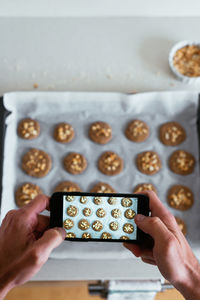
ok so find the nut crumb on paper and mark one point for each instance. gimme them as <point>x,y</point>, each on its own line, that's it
<point>35,85</point>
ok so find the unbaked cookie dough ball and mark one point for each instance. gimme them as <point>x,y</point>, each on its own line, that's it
<point>182,162</point>
<point>102,187</point>
<point>180,197</point>
<point>137,131</point>
<point>128,228</point>
<point>68,224</point>
<point>97,226</point>
<point>106,236</point>
<point>110,163</point>
<point>36,163</point>
<point>28,129</point>
<point>63,133</point>
<point>100,132</point>
<point>26,192</point>
<point>72,211</point>
<point>83,224</point>
<point>148,162</point>
<point>172,134</point>
<point>67,186</point>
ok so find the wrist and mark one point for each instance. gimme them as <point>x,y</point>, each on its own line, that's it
<point>4,291</point>
<point>6,285</point>
<point>189,287</point>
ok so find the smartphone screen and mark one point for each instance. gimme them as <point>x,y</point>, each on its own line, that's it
<point>98,217</point>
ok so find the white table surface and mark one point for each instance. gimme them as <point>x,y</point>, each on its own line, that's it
<point>97,54</point>
<point>92,54</point>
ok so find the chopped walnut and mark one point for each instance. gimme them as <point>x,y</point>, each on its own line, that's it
<point>128,228</point>
<point>86,235</point>
<point>187,60</point>
<point>116,213</point>
<point>181,197</point>
<point>100,213</point>
<point>70,235</point>
<point>114,226</point>
<point>97,226</point>
<point>106,236</point>
<point>129,213</point>
<point>150,162</point>
<point>144,187</point>
<point>65,131</point>
<point>101,131</point>
<point>111,162</point>
<point>28,129</point>
<point>173,133</point>
<point>83,224</point>
<point>139,128</point>
<point>183,161</point>
<point>68,224</point>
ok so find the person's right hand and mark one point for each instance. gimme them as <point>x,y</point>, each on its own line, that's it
<point>26,243</point>
<point>171,251</point>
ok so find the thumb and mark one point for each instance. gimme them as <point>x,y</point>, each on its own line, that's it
<point>152,226</point>
<point>51,239</point>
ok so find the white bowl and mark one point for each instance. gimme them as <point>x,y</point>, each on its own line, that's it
<point>172,52</point>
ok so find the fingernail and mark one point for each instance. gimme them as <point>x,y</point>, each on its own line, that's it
<point>61,231</point>
<point>139,218</point>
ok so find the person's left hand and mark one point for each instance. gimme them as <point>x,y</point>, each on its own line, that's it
<point>26,243</point>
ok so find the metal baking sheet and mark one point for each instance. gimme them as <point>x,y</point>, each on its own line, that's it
<point>3,114</point>
<point>81,109</point>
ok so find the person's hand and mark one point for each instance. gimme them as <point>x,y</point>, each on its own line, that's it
<point>170,252</point>
<point>26,243</point>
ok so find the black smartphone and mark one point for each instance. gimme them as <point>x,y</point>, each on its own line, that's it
<point>97,216</point>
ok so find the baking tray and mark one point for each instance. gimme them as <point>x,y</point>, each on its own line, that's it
<point>4,113</point>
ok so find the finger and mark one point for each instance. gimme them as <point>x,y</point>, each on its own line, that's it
<point>51,239</point>
<point>147,255</point>
<point>39,204</point>
<point>8,218</point>
<point>43,223</point>
<point>135,249</point>
<point>148,261</point>
<point>158,209</point>
<point>139,251</point>
<point>154,227</point>
<point>38,254</point>
<point>48,206</point>
<point>156,206</point>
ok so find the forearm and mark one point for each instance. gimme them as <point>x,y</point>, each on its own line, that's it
<point>190,287</point>
<point>4,289</point>
<point>6,284</point>
<point>3,292</point>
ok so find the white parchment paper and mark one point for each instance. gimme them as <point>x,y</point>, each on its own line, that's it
<point>80,110</point>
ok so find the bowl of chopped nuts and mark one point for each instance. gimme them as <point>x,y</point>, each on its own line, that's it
<point>184,61</point>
